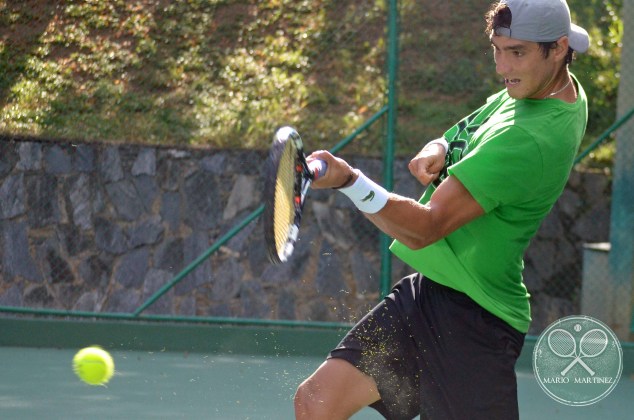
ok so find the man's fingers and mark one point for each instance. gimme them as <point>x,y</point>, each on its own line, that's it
<point>423,171</point>
<point>427,178</point>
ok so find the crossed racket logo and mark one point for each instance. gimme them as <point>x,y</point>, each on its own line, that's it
<point>563,344</point>
<point>577,360</point>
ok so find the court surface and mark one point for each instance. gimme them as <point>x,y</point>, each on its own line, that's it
<point>39,384</point>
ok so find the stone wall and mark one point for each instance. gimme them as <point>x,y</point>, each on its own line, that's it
<point>101,227</point>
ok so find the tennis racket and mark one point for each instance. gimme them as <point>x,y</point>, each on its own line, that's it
<point>592,344</point>
<point>564,345</point>
<point>287,177</point>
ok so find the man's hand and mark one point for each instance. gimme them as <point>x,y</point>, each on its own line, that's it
<point>428,163</point>
<point>339,173</point>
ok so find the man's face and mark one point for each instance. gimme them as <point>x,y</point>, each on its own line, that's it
<point>527,74</point>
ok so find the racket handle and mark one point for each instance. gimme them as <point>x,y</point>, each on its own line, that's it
<point>318,167</point>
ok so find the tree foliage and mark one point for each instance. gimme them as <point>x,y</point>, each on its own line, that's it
<point>226,73</point>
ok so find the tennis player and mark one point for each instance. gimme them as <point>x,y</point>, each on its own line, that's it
<point>443,344</point>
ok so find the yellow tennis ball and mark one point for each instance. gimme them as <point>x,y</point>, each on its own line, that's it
<point>93,365</point>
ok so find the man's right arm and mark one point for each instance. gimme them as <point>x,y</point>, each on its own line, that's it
<point>404,219</point>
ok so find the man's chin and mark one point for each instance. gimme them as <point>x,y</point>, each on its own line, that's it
<point>515,95</point>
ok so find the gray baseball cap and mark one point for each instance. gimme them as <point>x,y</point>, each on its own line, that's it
<point>544,21</point>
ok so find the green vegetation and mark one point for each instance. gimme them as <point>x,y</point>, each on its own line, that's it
<point>226,73</point>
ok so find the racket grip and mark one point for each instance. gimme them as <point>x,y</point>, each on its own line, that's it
<point>318,167</point>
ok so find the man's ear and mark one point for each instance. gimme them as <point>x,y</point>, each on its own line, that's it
<point>561,50</point>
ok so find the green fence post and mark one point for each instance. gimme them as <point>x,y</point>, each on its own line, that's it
<point>621,256</point>
<point>388,156</point>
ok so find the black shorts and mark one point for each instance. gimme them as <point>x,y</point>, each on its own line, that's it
<point>433,351</point>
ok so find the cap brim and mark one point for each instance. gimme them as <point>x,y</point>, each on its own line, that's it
<point>578,38</point>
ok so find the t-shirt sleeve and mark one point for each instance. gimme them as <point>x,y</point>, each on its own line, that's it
<point>506,167</point>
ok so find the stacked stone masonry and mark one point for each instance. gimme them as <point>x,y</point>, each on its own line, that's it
<point>102,227</point>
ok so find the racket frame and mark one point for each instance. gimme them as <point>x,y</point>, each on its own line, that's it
<point>303,177</point>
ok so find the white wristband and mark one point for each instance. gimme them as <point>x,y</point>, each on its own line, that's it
<point>368,196</point>
<point>440,141</point>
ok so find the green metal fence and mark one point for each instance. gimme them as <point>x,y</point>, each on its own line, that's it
<point>384,76</point>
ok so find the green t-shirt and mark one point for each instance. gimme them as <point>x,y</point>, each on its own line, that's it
<point>514,157</point>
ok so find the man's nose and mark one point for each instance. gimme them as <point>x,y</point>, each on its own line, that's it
<point>502,66</point>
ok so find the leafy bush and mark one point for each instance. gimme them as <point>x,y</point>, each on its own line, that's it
<point>226,73</point>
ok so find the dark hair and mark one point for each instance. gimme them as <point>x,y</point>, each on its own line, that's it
<point>499,16</point>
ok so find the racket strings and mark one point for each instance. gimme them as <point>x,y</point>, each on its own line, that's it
<point>562,343</point>
<point>284,207</point>
<point>593,343</point>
